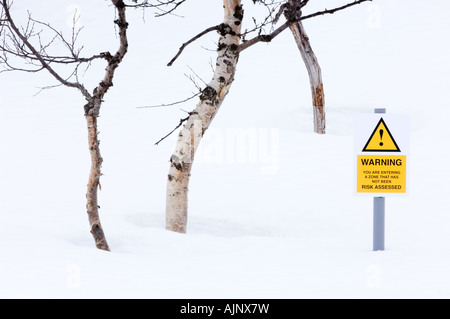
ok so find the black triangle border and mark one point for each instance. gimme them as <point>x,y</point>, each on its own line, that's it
<point>373,133</point>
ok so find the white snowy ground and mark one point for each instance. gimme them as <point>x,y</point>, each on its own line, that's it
<point>276,219</point>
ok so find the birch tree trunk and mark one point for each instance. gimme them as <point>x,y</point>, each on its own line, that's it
<point>93,184</point>
<point>200,119</point>
<point>315,75</point>
<point>92,112</point>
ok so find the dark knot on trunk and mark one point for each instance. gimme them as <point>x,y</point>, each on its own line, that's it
<point>293,12</point>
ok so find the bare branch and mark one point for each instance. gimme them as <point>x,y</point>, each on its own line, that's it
<point>272,6</point>
<point>264,38</point>
<point>293,14</point>
<point>198,36</point>
<point>171,132</point>
<point>75,53</point>
<point>171,104</point>
<point>177,4</point>
<point>191,78</point>
<point>24,44</point>
<point>93,107</point>
<point>279,13</point>
<point>333,10</point>
<point>160,5</point>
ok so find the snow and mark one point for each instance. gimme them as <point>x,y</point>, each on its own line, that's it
<point>277,218</point>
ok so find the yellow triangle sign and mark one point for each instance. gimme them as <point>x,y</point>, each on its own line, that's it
<point>381,140</point>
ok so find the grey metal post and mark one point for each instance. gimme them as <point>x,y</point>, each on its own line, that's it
<point>379,215</point>
<point>378,223</point>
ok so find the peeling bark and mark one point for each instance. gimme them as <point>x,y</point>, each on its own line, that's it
<point>93,185</point>
<point>315,75</point>
<point>201,118</point>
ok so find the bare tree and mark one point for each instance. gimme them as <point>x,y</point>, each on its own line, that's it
<point>292,10</point>
<point>311,63</point>
<point>199,120</point>
<point>27,44</point>
<point>232,42</point>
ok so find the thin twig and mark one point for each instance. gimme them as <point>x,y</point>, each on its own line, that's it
<point>178,126</point>
<point>145,4</point>
<point>170,104</point>
<point>198,36</point>
<point>331,11</point>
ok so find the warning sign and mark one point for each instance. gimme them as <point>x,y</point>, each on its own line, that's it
<point>381,147</point>
<point>381,140</point>
<point>381,174</point>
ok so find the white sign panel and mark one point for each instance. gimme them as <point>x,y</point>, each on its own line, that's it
<point>381,154</point>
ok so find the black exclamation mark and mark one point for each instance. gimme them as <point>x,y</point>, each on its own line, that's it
<point>381,137</point>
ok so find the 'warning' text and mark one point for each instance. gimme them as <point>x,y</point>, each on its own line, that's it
<point>381,162</point>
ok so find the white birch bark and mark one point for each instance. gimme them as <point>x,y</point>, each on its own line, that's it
<point>315,75</point>
<point>200,119</point>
